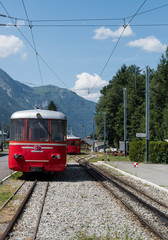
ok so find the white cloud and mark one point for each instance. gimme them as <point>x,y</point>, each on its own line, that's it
<point>103,33</point>
<point>149,44</point>
<point>24,56</point>
<point>9,45</point>
<point>85,82</point>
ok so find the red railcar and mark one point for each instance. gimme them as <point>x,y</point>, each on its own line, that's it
<point>37,141</point>
<point>73,144</point>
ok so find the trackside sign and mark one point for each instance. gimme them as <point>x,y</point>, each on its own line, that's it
<point>140,134</point>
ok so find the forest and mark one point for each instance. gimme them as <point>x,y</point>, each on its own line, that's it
<point>112,103</point>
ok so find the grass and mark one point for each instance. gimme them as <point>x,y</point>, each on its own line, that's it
<point>100,156</point>
<point>16,176</point>
<point>83,236</point>
<point>108,157</point>
<point>6,190</point>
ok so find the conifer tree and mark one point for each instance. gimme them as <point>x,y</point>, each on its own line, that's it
<point>52,106</point>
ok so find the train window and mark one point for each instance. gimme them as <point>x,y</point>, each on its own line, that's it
<point>17,130</point>
<point>77,143</point>
<point>38,130</point>
<point>58,130</point>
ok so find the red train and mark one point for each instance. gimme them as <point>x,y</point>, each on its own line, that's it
<point>37,141</point>
<point>73,144</point>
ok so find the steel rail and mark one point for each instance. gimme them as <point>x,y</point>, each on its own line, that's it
<point>6,178</point>
<point>40,213</point>
<point>17,214</point>
<point>133,196</point>
<point>92,172</point>
<point>12,196</point>
<point>134,188</point>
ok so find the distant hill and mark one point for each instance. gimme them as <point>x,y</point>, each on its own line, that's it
<point>16,96</point>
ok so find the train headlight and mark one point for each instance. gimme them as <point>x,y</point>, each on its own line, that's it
<point>56,156</point>
<point>18,156</point>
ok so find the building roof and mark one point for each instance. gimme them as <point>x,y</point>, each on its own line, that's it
<point>88,141</point>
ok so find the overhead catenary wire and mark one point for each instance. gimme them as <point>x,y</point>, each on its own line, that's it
<point>36,53</point>
<point>60,25</point>
<point>34,48</point>
<point>85,19</point>
<point>111,54</point>
<point>88,25</point>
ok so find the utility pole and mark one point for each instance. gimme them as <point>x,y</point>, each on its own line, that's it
<point>104,130</point>
<point>93,136</point>
<point>2,134</point>
<point>147,114</point>
<point>125,123</point>
<point>85,134</point>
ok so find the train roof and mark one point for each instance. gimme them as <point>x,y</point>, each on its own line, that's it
<point>45,114</point>
<point>72,137</point>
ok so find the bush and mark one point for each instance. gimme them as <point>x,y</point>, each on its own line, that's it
<point>158,151</point>
<point>6,144</point>
<point>137,151</point>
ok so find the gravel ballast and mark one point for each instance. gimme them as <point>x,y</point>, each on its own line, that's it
<point>77,204</point>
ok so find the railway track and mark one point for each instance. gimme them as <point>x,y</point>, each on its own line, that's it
<point>11,197</point>
<point>72,201</point>
<point>153,213</point>
<point>10,230</point>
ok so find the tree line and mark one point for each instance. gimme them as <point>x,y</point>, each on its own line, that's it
<point>112,102</point>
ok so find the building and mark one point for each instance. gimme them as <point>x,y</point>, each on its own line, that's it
<point>4,136</point>
<point>100,145</point>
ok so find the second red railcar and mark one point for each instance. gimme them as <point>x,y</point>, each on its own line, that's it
<point>73,144</point>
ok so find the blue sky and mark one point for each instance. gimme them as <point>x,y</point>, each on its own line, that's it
<point>75,57</point>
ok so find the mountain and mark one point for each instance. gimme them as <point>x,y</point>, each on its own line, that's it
<point>16,96</point>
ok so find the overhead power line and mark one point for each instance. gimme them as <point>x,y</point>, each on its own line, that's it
<point>38,64</point>
<point>111,54</point>
<point>90,25</point>
<point>116,46</point>
<point>30,24</point>
<point>34,48</point>
<point>85,19</point>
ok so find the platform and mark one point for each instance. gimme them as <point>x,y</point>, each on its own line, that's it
<point>154,173</point>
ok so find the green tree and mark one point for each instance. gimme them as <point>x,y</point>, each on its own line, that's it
<point>52,106</point>
<point>159,100</point>
<point>111,102</point>
<point>134,81</point>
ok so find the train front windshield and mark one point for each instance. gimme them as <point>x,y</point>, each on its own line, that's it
<point>17,130</point>
<point>38,130</point>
